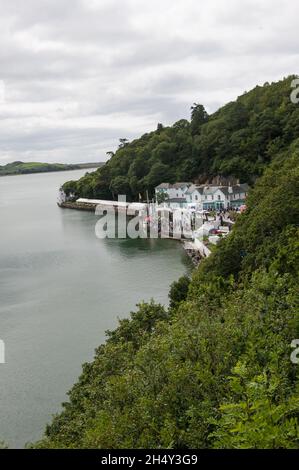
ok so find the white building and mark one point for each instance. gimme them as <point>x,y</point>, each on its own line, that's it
<point>202,197</point>
<point>174,194</point>
<point>210,197</point>
<point>194,194</point>
<point>238,194</point>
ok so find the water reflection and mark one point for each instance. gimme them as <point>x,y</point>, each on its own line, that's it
<point>61,288</point>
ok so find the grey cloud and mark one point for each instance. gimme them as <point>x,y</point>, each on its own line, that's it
<point>80,74</point>
<point>169,51</point>
<point>72,21</point>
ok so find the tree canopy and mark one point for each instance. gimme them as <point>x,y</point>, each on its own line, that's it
<point>213,370</point>
<point>239,141</point>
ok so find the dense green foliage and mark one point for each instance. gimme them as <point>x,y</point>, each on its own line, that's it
<point>21,168</point>
<point>179,291</point>
<point>239,141</point>
<point>214,370</point>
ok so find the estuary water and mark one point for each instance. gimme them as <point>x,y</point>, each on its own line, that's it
<point>61,288</point>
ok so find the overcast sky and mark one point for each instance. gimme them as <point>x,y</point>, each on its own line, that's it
<point>76,75</point>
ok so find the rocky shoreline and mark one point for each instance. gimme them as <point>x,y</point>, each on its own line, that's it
<point>77,206</point>
<point>194,256</point>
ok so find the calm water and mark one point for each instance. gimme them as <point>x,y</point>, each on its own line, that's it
<point>60,289</point>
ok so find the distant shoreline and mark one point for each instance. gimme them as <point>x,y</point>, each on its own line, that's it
<point>22,168</point>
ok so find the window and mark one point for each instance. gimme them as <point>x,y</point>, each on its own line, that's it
<point>219,197</point>
<point>196,197</point>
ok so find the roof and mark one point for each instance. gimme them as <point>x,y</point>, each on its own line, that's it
<point>163,186</point>
<point>119,204</point>
<point>240,188</point>
<point>179,185</point>
<point>206,189</point>
<point>245,187</point>
<point>224,190</point>
<point>236,189</point>
<point>193,188</point>
<point>176,199</point>
<point>103,202</point>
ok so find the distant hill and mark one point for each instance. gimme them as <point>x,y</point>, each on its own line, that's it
<point>21,168</point>
<point>237,141</point>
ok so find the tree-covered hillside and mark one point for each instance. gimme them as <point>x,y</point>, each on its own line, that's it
<point>239,140</point>
<point>23,168</point>
<point>214,370</point>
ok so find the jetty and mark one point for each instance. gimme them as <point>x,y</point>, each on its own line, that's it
<point>92,204</point>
